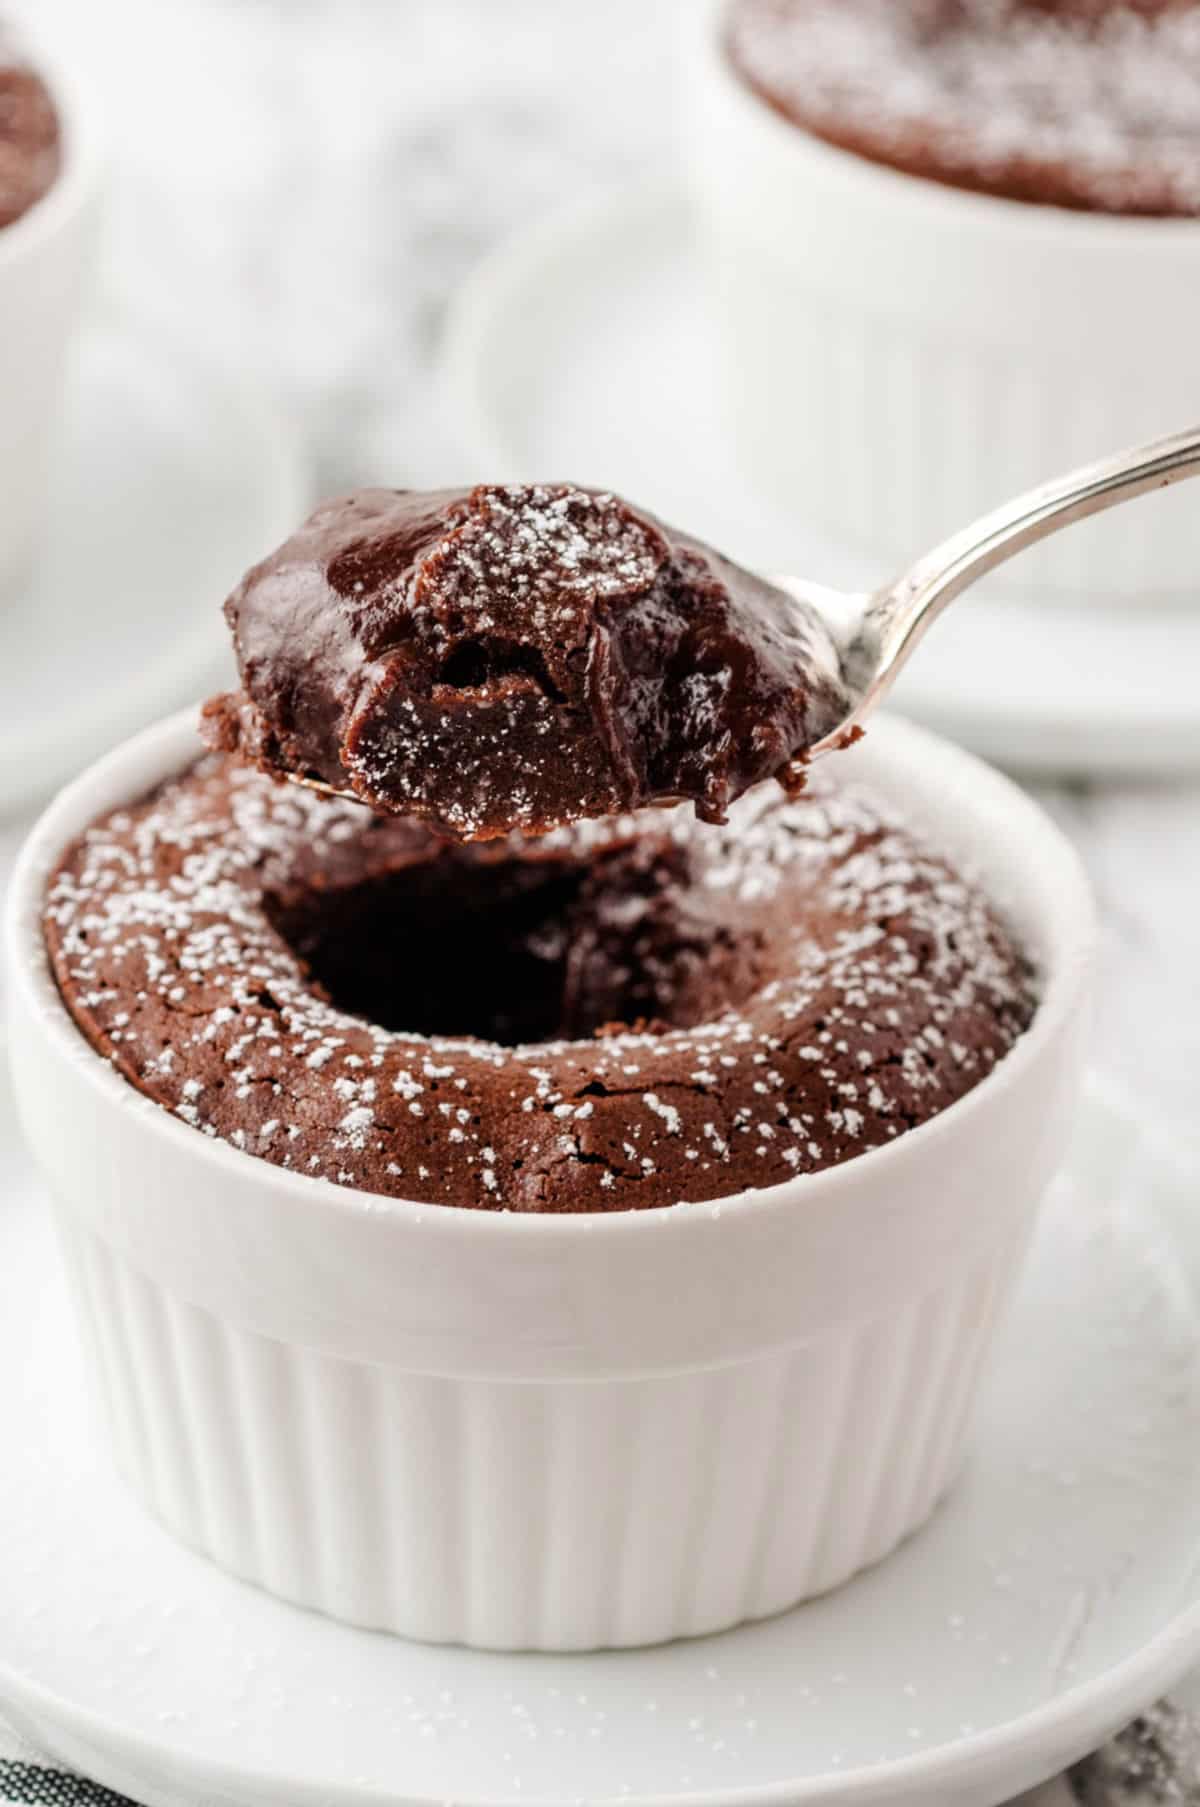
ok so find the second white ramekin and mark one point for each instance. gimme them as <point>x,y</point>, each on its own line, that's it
<point>552,1433</point>
<point>899,356</point>
<point>44,259</point>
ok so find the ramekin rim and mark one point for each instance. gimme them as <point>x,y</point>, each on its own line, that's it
<point>29,971</point>
<point>1088,229</point>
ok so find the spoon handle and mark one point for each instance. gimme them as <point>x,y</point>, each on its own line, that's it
<point>897,616</point>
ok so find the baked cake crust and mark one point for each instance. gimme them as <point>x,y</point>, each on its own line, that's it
<point>623,1014</point>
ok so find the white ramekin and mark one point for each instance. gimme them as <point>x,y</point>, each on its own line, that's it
<point>898,356</point>
<point>44,260</point>
<point>552,1432</point>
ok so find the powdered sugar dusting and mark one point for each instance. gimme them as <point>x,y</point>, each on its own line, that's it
<point>547,549</point>
<point>1090,106</point>
<point>861,985</point>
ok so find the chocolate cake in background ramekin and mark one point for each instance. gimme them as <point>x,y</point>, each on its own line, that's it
<point>49,193</point>
<point>1092,105</point>
<point>958,240</point>
<point>30,133</point>
<point>546,1428</point>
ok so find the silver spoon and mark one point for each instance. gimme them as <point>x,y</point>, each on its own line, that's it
<point>872,635</point>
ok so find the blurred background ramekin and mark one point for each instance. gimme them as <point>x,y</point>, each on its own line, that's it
<point>899,356</point>
<point>45,256</point>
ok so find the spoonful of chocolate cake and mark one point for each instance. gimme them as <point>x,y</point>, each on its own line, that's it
<point>516,657</point>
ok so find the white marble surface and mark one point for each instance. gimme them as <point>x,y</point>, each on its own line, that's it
<point>308,179</point>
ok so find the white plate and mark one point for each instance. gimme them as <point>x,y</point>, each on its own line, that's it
<point>1055,1595</point>
<point>584,350</point>
<point>172,476</point>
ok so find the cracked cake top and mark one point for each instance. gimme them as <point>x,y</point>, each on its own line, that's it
<point>619,1014</point>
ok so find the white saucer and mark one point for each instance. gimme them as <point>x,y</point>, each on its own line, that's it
<point>1056,1594</point>
<point>172,476</point>
<point>584,349</point>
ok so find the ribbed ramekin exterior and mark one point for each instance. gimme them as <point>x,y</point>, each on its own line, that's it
<point>899,357</point>
<point>552,1515</point>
